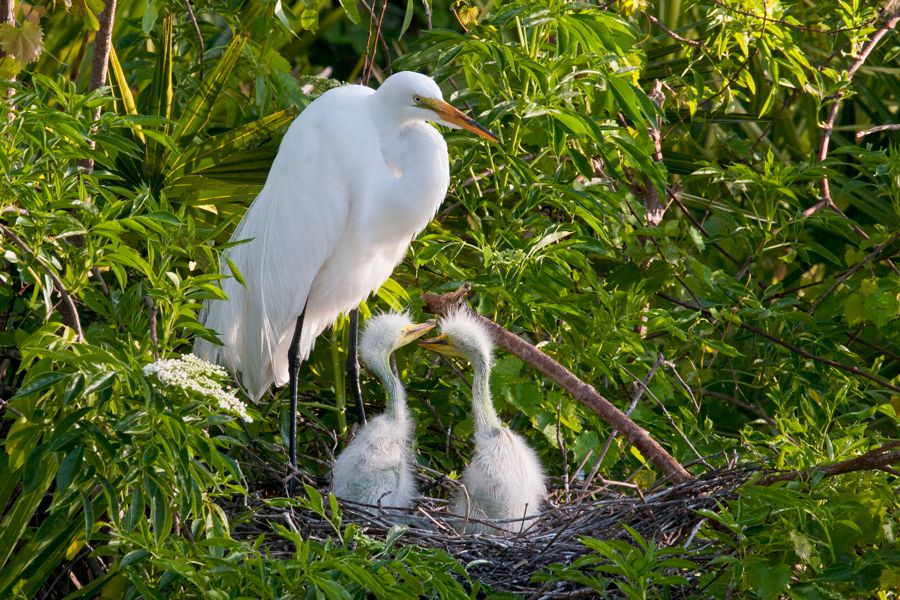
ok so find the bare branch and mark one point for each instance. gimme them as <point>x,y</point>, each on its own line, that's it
<point>373,39</point>
<point>427,13</point>
<point>890,127</point>
<point>102,45</point>
<point>672,34</point>
<point>7,11</point>
<point>581,391</point>
<point>878,459</point>
<point>148,301</point>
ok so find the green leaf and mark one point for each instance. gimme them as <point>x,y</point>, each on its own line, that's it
<point>68,467</point>
<point>352,11</point>
<point>23,41</point>
<point>132,557</point>
<point>148,21</point>
<point>768,581</point>
<point>407,18</point>
<point>40,383</point>
<point>88,506</point>
<point>235,272</point>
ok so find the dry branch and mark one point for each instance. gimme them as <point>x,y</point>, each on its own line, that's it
<point>582,392</point>
<point>889,127</point>
<point>878,459</point>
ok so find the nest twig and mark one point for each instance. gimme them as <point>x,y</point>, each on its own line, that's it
<point>502,560</point>
<point>667,513</point>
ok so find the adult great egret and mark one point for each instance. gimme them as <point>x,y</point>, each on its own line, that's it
<point>377,466</point>
<point>505,479</point>
<point>358,174</point>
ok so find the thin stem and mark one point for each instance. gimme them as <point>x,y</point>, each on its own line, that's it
<point>889,127</point>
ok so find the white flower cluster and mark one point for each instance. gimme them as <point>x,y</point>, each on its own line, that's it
<point>194,375</point>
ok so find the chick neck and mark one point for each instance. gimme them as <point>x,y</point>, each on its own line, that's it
<point>486,419</point>
<point>396,394</point>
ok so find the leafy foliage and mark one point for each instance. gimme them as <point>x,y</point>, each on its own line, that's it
<point>655,207</point>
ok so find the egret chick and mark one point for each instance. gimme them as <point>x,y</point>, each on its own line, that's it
<point>377,466</point>
<point>505,479</point>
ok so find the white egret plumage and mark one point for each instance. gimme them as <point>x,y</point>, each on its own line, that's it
<point>358,174</point>
<point>377,466</point>
<point>504,481</point>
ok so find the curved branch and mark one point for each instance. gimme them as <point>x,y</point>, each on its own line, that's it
<point>580,390</point>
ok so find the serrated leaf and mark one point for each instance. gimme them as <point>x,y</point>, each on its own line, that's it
<point>24,42</point>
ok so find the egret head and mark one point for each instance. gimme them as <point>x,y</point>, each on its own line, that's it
<point>387,332</point>
<point>464,336</point>
<point>414,96</point>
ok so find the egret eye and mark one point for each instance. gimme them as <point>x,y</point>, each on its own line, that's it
<point>417,99</point>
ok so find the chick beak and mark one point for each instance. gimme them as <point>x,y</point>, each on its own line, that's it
<point>440,344</point>
<point>457,118</point>
<point>415,331</point>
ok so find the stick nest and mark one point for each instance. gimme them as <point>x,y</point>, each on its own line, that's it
<point>506,561</point>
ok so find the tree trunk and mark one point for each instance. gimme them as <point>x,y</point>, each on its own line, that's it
<point>8,15</point>
<point>100,62</point>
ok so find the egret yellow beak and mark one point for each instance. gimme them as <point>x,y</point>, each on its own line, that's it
<point>411,333</point>
<point>457,118</point>
<point>440,344</point>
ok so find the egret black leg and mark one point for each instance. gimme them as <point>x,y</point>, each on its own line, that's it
<point>353,367</point>
<point>294,372</point>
